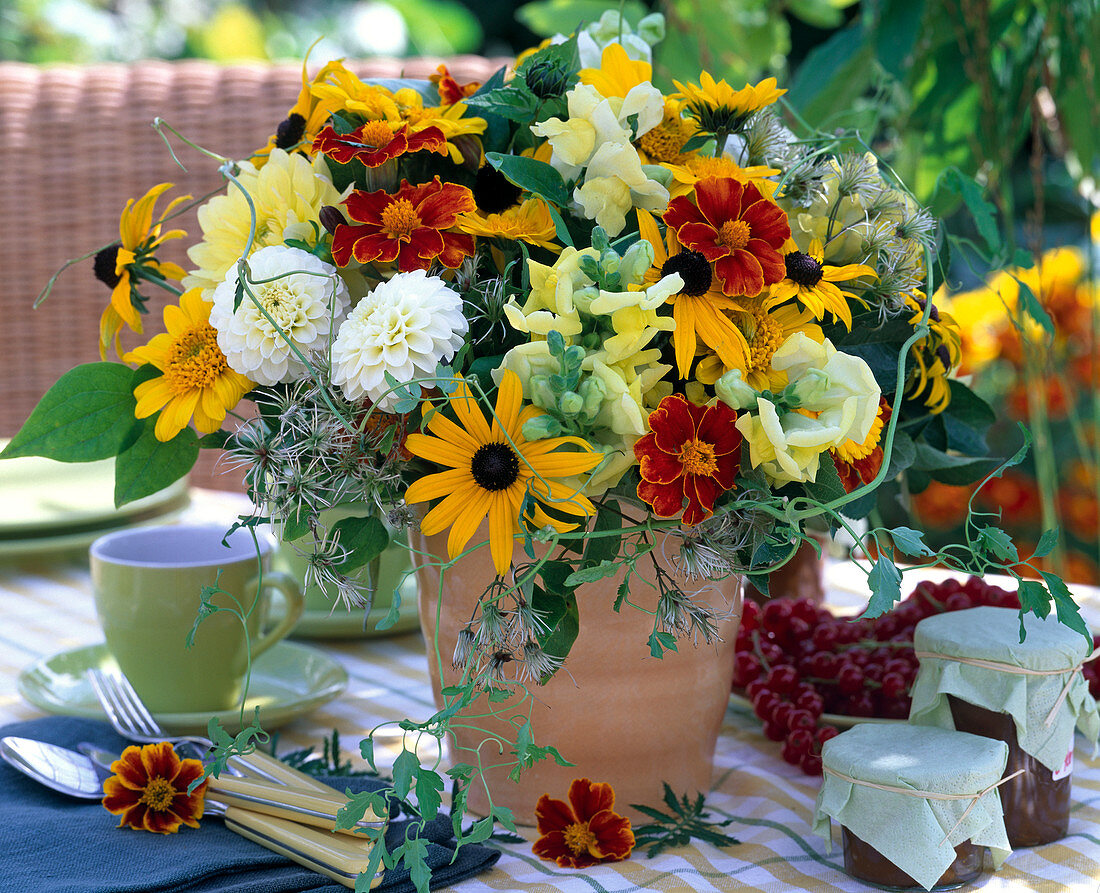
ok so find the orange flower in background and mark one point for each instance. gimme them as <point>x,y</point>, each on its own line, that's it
<point>1015,495</point>
<point>691,452</point>
<point>584,831</point>
<point>149,789</point>
<point>450,90</point>
<point>941,505</point>
<point>409,227</point>
<point>1054,394</point>
<point>738,230</point>
<point>1079,512</point>
<point>377,142</point>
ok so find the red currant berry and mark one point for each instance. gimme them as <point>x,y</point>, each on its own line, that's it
<point>801,719</point>
<point>773,731</point>
<point>824,733</point>
<point>754,688</point>
<point>797,745</point>
<point>850,679</point>
<point>811,702</point>
<point>811,764</point>
<point>893,685</point>
<point>746,668</point>
<point>958,601</point>
<point>782,679</point>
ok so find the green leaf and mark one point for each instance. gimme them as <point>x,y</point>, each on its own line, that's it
<point>549,17</point>
<point>366,750</point>
<point>1031,306</point>
<point>660,642</point>
<point>832,77</point>
<point>513,102</point>
<point>364,539</point>
<point>150,465</point>
<point>910,542</point>
<point>1034,598</point>
<point>592,574</point>
<point>415,857</point>
<point>1047,542</point>
<point>827,486</point>
<point>1069,614</point>
<point>429,785</point>
<point>405,767</point>
<point>85,416</point>
<point>954,182</point>
<point>895,33</point>
<point>480,832</point>
<point>536,177</point>
<point>885,583</point>
<point>998,543</point>
<point>562,618</point>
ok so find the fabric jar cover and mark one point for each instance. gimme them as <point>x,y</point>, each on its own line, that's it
<point>1050,649</point>
<point>917,833</point>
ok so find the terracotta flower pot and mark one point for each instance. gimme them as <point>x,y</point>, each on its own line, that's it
<point>621,715</point>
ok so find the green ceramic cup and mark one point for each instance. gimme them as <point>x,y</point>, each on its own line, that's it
<point>147,584</point>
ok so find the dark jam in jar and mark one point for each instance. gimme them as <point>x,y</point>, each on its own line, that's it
<point>863,861</point>
<point>1036,805</point>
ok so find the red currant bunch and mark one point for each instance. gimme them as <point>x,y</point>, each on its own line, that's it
<point>796,662</point>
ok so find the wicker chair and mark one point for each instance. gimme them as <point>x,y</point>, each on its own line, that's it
<point>75,144</point>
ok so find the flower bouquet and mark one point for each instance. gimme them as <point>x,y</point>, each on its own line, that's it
<point>617,334</point>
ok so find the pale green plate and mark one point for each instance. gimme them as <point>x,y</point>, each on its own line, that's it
<point>52,507</point>
<point>288,681</point>
<point>342,624</point>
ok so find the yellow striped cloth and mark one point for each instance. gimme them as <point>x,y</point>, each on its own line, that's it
<point>46,607</point>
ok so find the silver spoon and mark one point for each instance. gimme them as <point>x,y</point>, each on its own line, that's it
<point>68,772</point>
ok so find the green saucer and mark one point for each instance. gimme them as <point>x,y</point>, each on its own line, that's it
<point>288,681</point>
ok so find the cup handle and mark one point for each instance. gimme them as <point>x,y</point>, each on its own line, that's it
<point>286,586</point>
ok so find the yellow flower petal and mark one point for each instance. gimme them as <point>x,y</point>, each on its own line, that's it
<point>503,527</point>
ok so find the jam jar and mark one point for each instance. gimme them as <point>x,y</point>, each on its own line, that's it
<point>977,676</point>
<point>918,806</point>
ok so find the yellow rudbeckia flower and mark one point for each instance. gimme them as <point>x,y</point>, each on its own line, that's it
<point>719,108</point>
<point>491,468</point>
<point>131,259</point>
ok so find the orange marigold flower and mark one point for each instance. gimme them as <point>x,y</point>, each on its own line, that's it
<point>584,831</point>
<point>691,452</point>
<point>737,229</point>
<point>409,227</point>
<point>450,90</point>
<point>376,142</point>
<point>149,789</point>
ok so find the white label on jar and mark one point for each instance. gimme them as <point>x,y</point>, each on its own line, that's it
<point>1067,766</point>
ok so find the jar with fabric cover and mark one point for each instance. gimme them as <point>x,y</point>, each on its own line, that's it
<point>977,676</point>
<point>917,805</point>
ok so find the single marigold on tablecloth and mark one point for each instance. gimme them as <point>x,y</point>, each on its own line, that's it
<point>149,789</point>
<point>691,451</point>
<point>409,227</point>
<point>735,228</point>
<point>584,831</point>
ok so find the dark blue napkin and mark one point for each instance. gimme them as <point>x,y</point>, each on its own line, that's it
<point>57,844</point>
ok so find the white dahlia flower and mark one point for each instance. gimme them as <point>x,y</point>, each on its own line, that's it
<point>304,296</point>
<point>405,327</point>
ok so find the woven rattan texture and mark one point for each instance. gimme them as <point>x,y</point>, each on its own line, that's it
<point>75,144</point>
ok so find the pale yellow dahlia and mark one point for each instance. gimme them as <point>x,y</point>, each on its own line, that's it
<point>288,193</point>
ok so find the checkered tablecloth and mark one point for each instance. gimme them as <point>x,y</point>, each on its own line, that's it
<point>46,607</point>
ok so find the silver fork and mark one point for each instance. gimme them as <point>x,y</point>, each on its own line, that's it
<point>132,719</point>
<point>296,795</point>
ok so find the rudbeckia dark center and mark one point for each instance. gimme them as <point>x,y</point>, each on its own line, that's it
<point>803,269</point>
<point>495,466</point>
<point>693,269</point>
<point>104,266</point>
<point>493,192</point>
<point>290,131</point>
